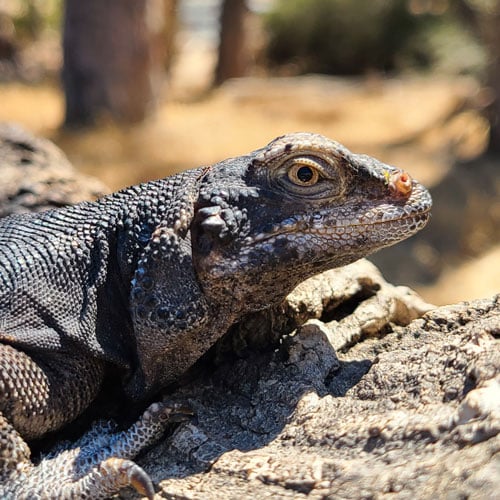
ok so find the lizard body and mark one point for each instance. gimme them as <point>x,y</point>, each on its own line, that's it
<point>148,279</point>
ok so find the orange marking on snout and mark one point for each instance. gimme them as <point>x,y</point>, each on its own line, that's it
<point>400,183</point>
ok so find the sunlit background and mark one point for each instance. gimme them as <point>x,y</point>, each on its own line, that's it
<point>151,87</point>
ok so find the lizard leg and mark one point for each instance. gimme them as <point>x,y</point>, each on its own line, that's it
<point>14,452</point>
<point>38,396</point>
<point>99,464</point>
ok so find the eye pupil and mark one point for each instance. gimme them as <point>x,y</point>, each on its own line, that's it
<point>305,174</point>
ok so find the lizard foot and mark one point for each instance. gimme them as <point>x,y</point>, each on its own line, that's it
<point>99,464</point>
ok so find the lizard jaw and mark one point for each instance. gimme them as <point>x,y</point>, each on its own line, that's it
<point>301,227</point>
<point>394,221</point>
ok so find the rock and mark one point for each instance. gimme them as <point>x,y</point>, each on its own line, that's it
<point>36,175</point>
<point>332,297</point>
<point>362,399</point>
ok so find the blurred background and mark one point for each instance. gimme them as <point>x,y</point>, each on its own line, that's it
<point>138,89</point>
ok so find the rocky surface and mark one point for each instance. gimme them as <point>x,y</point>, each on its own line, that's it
<point>36,174</point>
<point>362,400</point>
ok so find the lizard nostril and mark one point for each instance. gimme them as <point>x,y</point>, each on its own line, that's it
<point>400,183</point>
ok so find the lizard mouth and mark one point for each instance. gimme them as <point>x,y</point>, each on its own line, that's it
<point>408,225</point>
<point>386,221</point>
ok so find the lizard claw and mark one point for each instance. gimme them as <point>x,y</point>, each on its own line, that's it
<point>180,413</point>
<point>123,472</point>
<point>167,412</point>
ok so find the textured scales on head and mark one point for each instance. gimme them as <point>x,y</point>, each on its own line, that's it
<point>299,206</point>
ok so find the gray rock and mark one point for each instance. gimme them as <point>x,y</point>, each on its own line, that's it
<point>36,175</point>
<point>361,400</point>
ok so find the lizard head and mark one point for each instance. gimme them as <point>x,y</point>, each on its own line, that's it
<point>301,205</point>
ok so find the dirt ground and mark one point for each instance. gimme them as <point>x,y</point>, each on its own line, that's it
<point>420,124</point>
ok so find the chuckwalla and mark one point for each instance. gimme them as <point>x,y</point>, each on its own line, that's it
<point>147,279</point>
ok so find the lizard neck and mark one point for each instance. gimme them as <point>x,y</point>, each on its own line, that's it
<point>138,211</point>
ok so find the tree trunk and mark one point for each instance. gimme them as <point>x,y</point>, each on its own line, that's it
<point>484,18</point>
<point>109,59</point>
<point>233,57</point>
<point>491,33</point>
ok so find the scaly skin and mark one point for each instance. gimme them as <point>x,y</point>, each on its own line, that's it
<point>149,278</point>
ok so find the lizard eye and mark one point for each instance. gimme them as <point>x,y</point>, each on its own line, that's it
<point>303,174</point>
<point>307,175</point>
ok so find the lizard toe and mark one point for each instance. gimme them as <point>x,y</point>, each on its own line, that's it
<point>118,473</point>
